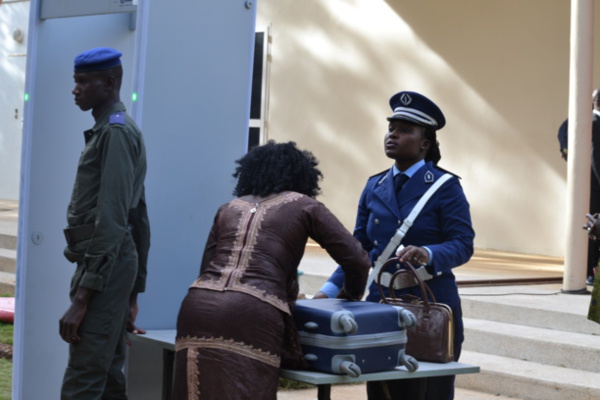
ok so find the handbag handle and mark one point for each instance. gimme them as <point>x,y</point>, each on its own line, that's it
<point>426,292</point>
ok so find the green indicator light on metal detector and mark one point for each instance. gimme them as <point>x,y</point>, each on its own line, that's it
<point>26,97</point>
<point>134,96</point>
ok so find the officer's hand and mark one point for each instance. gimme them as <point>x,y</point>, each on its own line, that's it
<point>414,255</point>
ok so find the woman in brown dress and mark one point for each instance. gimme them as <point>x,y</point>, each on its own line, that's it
<point>234,324</point>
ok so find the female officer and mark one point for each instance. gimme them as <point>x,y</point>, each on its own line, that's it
<point>441,237</point>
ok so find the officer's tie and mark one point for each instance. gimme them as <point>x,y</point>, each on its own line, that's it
<point>399,181</point>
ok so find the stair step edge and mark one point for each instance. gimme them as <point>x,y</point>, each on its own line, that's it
<point>535,371</point>
<point>553,336</point>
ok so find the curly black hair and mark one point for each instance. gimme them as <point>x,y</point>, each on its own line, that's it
<point>277,167</point>
<point>433,154</point>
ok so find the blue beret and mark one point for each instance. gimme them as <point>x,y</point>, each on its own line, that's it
<point>416,108</point>
<point>97,59</point>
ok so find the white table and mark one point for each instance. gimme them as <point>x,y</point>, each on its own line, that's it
<point>164,342</point>
<point>324,381</point>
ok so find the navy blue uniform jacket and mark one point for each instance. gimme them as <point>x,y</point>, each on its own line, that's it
<point>443,225</point>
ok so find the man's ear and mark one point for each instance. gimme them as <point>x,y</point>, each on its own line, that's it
<point>110,82</point>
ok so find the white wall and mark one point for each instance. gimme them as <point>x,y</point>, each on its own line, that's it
<point>498,69</point>
<point>191,66</point>
<point>14,15</point>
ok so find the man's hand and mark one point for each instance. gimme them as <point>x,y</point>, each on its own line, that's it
<point>133,312</point>
<point>593,226</point>
<point>70,321</point>
<point>320,295</point>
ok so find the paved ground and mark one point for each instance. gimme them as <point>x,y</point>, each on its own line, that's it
<point>358,392</point>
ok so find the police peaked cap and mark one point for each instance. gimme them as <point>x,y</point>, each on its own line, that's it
<point>416,108</point>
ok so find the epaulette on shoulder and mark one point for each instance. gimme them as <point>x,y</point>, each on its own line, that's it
<point>446,171</point>
<point>117,118</point>
<point>379,173</point>
<point>379,177</point>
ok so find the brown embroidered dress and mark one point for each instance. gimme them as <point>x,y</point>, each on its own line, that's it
<point>232,323</point>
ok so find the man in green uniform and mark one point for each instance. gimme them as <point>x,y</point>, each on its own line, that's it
<point>108,234</point>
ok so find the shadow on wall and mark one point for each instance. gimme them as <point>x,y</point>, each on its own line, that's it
<point>487,68</point>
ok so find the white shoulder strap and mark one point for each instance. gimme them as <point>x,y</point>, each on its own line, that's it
<point>406,224</point>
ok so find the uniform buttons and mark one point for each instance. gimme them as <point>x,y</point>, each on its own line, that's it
<point>376,243</point>
<point>399,222</point>
<point>376,221</point>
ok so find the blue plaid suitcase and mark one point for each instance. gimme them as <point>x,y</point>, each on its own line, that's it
<point>353,337</point>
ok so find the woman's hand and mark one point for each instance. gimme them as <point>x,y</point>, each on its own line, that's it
<point>414,255</point>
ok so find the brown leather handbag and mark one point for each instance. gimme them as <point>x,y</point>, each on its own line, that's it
<point>432,339</point>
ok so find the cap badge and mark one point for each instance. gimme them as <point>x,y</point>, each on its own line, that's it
<point>428,177</point>
<point>405,99</point>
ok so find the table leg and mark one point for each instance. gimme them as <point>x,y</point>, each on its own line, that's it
<point>422,388</point>
<point>167,386</point>
<point>324,392</point>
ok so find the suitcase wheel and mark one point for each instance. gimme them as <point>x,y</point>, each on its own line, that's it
<point>347,323</point>
<point>409,362</point>
<point>344,364</point>
<point>407,318</point>
<point>350,369</point>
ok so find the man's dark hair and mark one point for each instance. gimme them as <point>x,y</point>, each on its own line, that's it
<point>277,167</point>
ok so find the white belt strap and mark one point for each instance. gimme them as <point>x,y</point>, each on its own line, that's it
<point>406,224</point>
<point>409,280</point>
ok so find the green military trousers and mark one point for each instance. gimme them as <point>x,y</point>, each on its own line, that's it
<point>95,367</point>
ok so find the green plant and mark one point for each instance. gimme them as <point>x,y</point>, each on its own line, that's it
<point>5,379</point>
<point>6,333</point>
<point>288,384</point>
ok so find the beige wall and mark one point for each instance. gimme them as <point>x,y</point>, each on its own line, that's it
<point>498,69</point>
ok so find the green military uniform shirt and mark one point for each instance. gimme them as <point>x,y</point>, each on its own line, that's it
<point>109,193</point>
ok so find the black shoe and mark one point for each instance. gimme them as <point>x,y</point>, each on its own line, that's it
<point>590,280</point>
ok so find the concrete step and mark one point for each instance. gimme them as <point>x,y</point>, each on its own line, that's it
<point>540,306</point>
<point>8,241</point>
<point>528,380</point>
<point>7,284</point>
<point>310,283</point>
<point>9,215</point>
<point>545,346</point>
<point>358,392</point>
<point>8,260</point>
